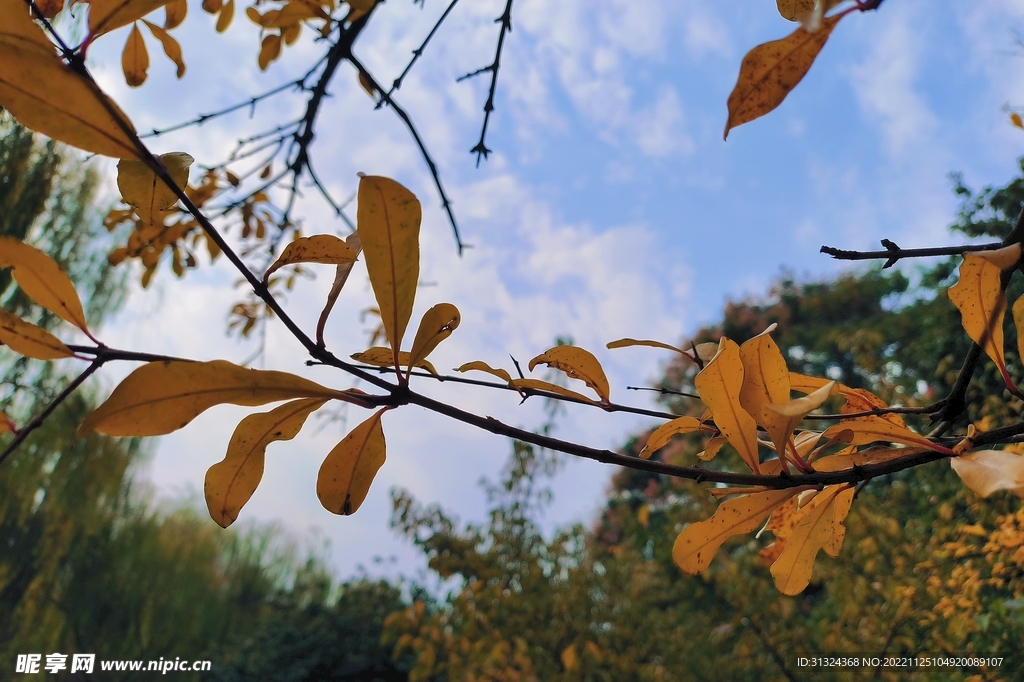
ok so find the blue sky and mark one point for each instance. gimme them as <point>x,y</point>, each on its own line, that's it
<point>611,206</point>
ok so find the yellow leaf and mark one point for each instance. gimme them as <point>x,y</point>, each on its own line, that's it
<point>359,8</point>
<point>135,58</point>
<point>711,448</point>
<point>577,363</point>
<point>145,192</point>
<point>979,297</point>
<point>349,469</point>
<point>625,343</point>
<point>380,356</point>
<point>484,367</point>
<point>793,10</point>
<point>988,471</point>
<point>320,248</point>
<point>697,544</point>
<point>1004,258</point>
<point>643,515</point>
<point>388,220</point>
<point>227,14</point>
<point>437,324</point>
<point>840,509</point>
<point>719,385</point>
<point>174,13</point>
<point>47,97</point>
<point>1016,120</point>
<point>161,397</point>
<point>594,651</point>
<point>270,50</point>
<point>875,455</point>
<point>538,385</point>
<point>804,383</point>
<point>792,570</point>
<point>42,280</point>
<point>106,15</point>
<point>770,71</point>
<point>664,433</point>
<point>869,432</point>
<point>766,382</point>
<point>171,47</point>
<point>793,411</point>
<point>367,85</point>
<point>232,481</point>
<point>214,6</point>
<point>863,400</point>
<point>340,277</point>
<point>1018,321</point>
<point>29,340</point>
<point>570,660</point>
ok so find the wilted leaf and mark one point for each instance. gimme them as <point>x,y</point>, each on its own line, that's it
<point>625,343</point>
<point>107,15</point>
<point>42,280</point>
<point>231,482</point>
<point>765,382</point>
<point>29,340</point>
<point>320,248</point>
<point>145,192</point>
<point>979,297</point>
<point>793,411</point>
<point>711,448</point>
<point>171,47</point>
<point>161,397</point>
<point>538,385</point>
<point>988,471</point>
<point>577,363</point>
<point>770,71</point>
<point>340,277</point>
<point>135,59</point>
<point>379,356</point>
<point>437,324</point>
<point>47,97</point>
<point>350,468</point>
<point>719,385</point>
<point>869,432</point>
<point>664,433</point>
<point>793,10</point>
<point>792,570</point>
<point>697,544</point>
<point>388,221</point>
<point>484,367</point>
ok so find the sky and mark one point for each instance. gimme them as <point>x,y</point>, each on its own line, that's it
<point>610,207</point>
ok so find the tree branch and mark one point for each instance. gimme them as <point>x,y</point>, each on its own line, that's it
<point>505,19</point>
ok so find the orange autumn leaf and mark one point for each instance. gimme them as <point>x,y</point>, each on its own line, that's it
<point>349,469</point>
<point>770,71</point>
<point>577,363</point>
<point>719,385</point>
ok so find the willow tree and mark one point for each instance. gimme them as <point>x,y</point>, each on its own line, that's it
<point>790,464</point>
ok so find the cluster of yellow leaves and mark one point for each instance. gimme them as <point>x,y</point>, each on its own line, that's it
<point>108,15</point>
<point>282,25</point>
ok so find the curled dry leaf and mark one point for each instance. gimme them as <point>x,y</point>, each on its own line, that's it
<point>346,474</point>
<point>538,385</point>
<point>319,248</point>
<point>577,363</point>
<point>340,277</point>
<point>49,98</point>
<point>161,397</point>
<point>770,71</point>
<point>766,382</point>
<point>388,221</point>
<point>712,448</point>
<point>625,343</point>
<point>719,385</point>
<point>144,191</point>
<point>979,297</point>
<point>988,471</point>
<point>379,356</point>
<point>30,340</point>
<point>793,411</point>
<point>107,15</point>
<point>231,482</point>
<point>437,324</point>
<point>171,46</point>
<point>664,433</point>
<point>869,432</point>
<point>484,367</point>
<point>876,455</point>
<point>135,58</point>
<point>1004,258</point>
<point>697,545</point>
<point>42,280</point>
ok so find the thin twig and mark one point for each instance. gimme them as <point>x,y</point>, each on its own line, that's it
<point>24,432</point>
<point>419,50</point>
<point>894,253</point>
<point>505,20</point>
<point>663,391</point>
